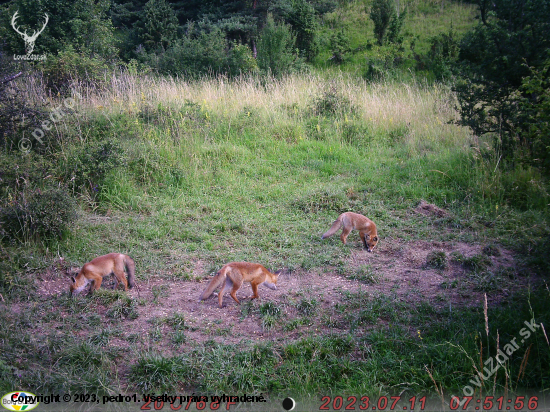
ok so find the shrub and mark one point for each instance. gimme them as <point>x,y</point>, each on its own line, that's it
<point>194,54</point>
<point>276,52</point>
<point>333,103</point>
<point>436,259</point>
<point>300,14</point>
<point>442,58</point>
<point>37,216</point>
<point>339,46</point>
<point>505,95</point>
<point>240,60</point>
<point>158,24</point>
<point>381,13</point>
<point>18,117</point>
<point>89,165</point>
<point>69,67</point>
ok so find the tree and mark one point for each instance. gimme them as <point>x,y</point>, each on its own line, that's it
<point>301,17</point>
<point>380,13</point>
<point>276,48</point>
<point>159,25</point>
<point>508,47</point>
<point>200,52</point>
<point>395,25</point>
<point>304,23</point>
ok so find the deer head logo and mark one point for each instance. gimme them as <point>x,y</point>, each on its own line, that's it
<point>29,40</point>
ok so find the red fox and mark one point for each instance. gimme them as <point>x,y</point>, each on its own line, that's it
<point>351,221</point>
<point>102,266</point>
<point>234,274</point>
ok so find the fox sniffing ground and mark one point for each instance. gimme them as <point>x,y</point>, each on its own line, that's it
<point>102,266</point>
<point>350,221</point>
<point>234,274</point>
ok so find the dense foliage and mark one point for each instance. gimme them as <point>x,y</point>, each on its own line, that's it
<point>505,87</point>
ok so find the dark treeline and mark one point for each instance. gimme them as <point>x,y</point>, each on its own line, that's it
<point>179,37</point>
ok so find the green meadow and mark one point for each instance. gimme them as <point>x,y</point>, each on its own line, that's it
<point>187,176</point>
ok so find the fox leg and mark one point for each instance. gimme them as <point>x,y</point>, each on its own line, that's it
<point>255,290</point>
<point>345,233</point>
<point>120,276</point>
<point>226,287</point>
<point>363,236</point>
<point>237,283</point>
<point>97,281</point>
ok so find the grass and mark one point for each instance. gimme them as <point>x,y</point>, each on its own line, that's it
<point>348,364</point>
<point>425,19</point>
<point>215,171</point>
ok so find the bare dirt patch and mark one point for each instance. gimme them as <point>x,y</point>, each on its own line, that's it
<point>395,270</point>
<point>429,209</point>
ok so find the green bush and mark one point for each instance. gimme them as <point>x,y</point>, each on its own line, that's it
<point>39,216</point>
<point>381,13</point>
<point>18,116</point>
<point>158,25</point>
<point>339,46</point>
<point>276,53</point>
<point>442,56</point>
<point>88,165</point>
<point>505,94</point>
<point>300,14</point>
<point>436,259</point>
<point>240,60</point>
<point>333,103</point>
<point>69,67</point>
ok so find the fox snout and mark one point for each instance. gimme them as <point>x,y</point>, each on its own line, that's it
<point>271,286</point>
<point>370,248</point>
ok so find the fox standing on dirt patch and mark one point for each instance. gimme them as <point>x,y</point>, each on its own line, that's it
<point>351,221</point>
<point>103,266</point>
<point>234,274</point>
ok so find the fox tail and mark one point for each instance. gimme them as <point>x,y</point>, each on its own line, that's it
<point>333,229</point>
<point>214,283</point>
<point>131,269</point>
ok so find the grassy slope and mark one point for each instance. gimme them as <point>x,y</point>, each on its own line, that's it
<point>425,19</point>
<point>217,171</point>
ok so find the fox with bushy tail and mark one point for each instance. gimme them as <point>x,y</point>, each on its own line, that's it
<point>102,266</point>
<point>234,274</point>
<point>354,221</point>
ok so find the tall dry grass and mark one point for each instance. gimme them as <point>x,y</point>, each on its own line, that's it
<point>426,111</point>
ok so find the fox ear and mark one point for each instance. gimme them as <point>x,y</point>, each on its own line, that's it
<point>73,279</point>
